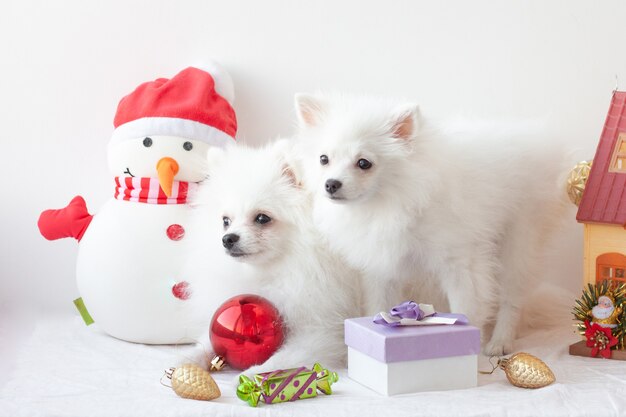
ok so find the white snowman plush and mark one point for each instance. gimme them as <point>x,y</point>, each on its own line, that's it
<point>132,253</point>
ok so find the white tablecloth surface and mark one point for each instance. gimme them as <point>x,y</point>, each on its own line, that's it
<point>63,368</point>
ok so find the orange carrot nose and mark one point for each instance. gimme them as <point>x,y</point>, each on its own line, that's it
<point>166,168</point>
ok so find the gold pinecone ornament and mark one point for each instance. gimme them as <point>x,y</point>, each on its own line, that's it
<point>191,381</point>
<point>526,371</point>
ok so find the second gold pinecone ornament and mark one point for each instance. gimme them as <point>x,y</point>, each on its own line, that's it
<point>526,371</point>
<point>191,381</point>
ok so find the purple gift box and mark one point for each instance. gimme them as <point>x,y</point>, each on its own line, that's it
<point>405,359</point>
<point>406,343</point>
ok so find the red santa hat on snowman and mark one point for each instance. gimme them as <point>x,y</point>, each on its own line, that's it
<point>194,104</point>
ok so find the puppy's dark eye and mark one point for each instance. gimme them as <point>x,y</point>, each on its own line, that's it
<point>187,146</point>
<point>226,222</point>
<point>364,164</point>
<point>323,160</point>
<point>262,218</point>
<point>147,142</point>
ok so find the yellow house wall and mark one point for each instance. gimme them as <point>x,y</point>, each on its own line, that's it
<point>600,239</point>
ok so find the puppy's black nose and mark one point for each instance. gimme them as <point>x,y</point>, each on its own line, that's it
<point>332,186</point>
<point>229,240</point>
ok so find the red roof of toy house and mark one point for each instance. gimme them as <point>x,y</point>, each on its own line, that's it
<point>604,198</point>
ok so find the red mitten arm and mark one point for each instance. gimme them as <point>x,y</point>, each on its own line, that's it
<point>71,221</point>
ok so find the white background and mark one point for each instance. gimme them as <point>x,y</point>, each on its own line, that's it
<point>65,65</point>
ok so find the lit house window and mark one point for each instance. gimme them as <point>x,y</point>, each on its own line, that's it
<point>612,267</point>
<point>618,160</point>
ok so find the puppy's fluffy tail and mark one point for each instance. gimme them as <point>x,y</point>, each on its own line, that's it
<point>548,306</point>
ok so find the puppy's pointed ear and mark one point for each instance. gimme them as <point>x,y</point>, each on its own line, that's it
<point>214,157</point>
<point>290,174</point>
<point>284,150</point>
<point>308,109</point>
<point>405,122</point>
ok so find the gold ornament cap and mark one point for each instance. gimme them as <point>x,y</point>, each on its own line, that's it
<point>217,363</point>
<point>191,381</point>
<point>526,371</point>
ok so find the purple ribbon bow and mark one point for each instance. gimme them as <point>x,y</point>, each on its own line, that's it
<point>411,310</point>
<point>406,310</point>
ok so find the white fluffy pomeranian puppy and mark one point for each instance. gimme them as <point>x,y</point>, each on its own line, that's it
<point>266,221</point>
<point>407,203</point>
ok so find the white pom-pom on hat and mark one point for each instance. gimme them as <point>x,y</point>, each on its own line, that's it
<point>223,82</point>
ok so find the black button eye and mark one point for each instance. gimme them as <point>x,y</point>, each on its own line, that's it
<point>147,142</point>
<point>323,159</point>
<point>187,146</point>
<point>262,219</point>
<point>364,164</point>
<point>226,222</point>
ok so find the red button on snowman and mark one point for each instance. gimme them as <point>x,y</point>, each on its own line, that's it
<point>131,253</point>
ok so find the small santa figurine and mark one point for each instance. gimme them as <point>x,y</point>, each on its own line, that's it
<point>605,313</point>
<point>132,254</point>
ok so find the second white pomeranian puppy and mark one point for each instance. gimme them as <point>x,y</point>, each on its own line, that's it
<point>266,219</point>
<point>464,211</point>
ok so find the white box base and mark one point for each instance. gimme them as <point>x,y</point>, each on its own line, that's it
<point>456,372</point>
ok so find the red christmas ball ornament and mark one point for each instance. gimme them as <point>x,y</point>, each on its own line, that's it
<point>246,330</point>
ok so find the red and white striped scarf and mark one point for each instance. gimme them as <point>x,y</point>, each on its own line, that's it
<point>148,190</point>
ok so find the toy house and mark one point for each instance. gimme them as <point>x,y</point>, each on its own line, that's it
<point>602,208</point>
